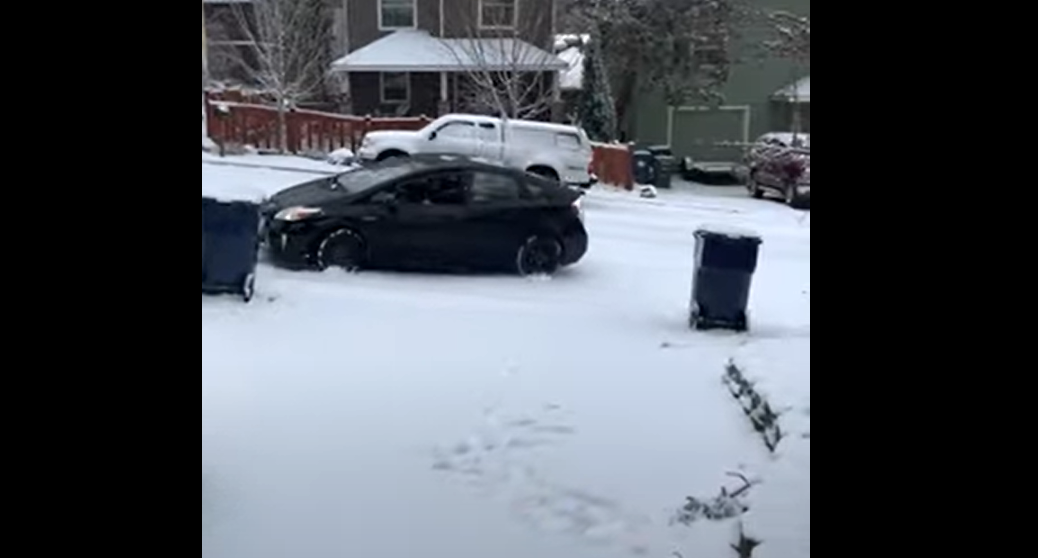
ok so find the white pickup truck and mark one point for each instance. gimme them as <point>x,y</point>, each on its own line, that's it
<point>555,151</point>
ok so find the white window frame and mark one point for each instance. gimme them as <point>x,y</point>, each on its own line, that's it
<point>515,14</point>
<point>414,20</point>
<point>382,89</point>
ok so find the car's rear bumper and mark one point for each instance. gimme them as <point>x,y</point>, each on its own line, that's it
<point>575,247</point>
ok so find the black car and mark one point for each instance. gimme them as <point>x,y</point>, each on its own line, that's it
<point>428,212</point>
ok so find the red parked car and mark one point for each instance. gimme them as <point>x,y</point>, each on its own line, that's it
<point>781,167</point>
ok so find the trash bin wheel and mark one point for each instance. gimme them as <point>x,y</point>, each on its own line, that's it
<point>344,249</point>
<point>742,323</point>
<point>695,320</point>
<point>248,288</point>
<point>539,255</point>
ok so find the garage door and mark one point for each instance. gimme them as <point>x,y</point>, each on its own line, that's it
<point>710,134</point>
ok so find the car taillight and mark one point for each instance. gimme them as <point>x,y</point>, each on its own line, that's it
<point>578,208</point>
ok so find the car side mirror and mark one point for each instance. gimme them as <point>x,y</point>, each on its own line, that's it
<point>432,136</point>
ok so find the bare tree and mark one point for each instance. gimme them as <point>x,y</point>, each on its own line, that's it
<point>681,48</point>
<point>789,37</point>
<point>282,48</point>
<point>504,74</point>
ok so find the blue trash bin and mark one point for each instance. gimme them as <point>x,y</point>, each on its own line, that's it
<point>726,260</point>
<point>230,247</point>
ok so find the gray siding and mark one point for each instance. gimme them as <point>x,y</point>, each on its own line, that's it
<point>461,18</point>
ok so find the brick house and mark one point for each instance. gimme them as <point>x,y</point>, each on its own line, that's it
<point>430,57</point>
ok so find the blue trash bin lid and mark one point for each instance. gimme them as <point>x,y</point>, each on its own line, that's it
<point>729,231</point>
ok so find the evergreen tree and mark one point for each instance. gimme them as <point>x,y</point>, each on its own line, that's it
<point>596,109</point>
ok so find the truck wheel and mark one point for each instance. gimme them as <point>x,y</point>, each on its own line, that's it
<point>388,155</point>
<point>545,172</point>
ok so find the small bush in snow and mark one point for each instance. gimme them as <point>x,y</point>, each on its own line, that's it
<point>729,505</point>
<point>764,419</point>
<point>648,192</point>
<point>341,157</point>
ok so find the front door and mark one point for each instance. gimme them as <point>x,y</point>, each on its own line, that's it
<point>458,137</point>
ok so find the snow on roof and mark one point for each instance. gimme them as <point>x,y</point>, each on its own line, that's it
<point>562,42</point>
<point>413,50</point>
<point>572,78</point>
<point>799,92</point>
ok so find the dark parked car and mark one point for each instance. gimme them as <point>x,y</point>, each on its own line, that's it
<point>777,167</point>
<point>428,212</point>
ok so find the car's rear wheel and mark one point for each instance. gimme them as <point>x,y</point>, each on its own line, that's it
<point>343,249</point>
<point>539,255</point>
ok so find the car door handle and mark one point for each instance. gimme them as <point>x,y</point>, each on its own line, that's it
<point>370,218</point>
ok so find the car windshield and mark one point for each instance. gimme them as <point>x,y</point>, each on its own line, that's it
<point>361,180</point>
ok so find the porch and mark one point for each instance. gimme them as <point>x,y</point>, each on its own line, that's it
<point>412,73</point>
<point>791,107</point>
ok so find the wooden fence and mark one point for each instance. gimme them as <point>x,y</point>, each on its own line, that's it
<point>238,123</point>
<point>235,119</point>
<point>613,165</point>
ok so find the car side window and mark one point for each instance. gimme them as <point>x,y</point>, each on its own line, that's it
<point>489,133</point>
<point>567,141</point>
<point>490,187</point>
<point>457,130</point>
<point>438,189</point>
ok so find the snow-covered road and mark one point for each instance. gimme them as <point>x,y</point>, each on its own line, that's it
<point>400,416</point>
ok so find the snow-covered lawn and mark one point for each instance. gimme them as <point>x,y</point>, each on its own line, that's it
<point>414,416</point>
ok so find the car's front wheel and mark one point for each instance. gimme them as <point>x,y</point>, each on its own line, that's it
<point>343,249</point>
<point>755,190</point>
<point>539,255</point>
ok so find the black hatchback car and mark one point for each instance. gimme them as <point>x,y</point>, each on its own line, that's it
<point>428,212</point>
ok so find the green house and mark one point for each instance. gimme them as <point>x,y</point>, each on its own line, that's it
<point>763,94</point>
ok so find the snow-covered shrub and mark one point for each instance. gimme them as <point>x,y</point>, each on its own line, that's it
<point>341,157</point>
<point>763,418</point>
<point>596,108</point>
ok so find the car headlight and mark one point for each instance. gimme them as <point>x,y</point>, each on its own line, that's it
<point>296,214</point>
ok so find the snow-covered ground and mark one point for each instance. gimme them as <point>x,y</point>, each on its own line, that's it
<point>413,416</point>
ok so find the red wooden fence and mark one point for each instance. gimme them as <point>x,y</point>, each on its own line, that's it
<point>236,123</point>
<point>613,165</point>
<point>236,118</point>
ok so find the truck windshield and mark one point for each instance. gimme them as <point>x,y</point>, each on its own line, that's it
<point>361,180</point>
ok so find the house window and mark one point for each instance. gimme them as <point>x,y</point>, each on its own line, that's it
<point>397,14</point>
<point>498,14</point>
<point>396,88</point>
